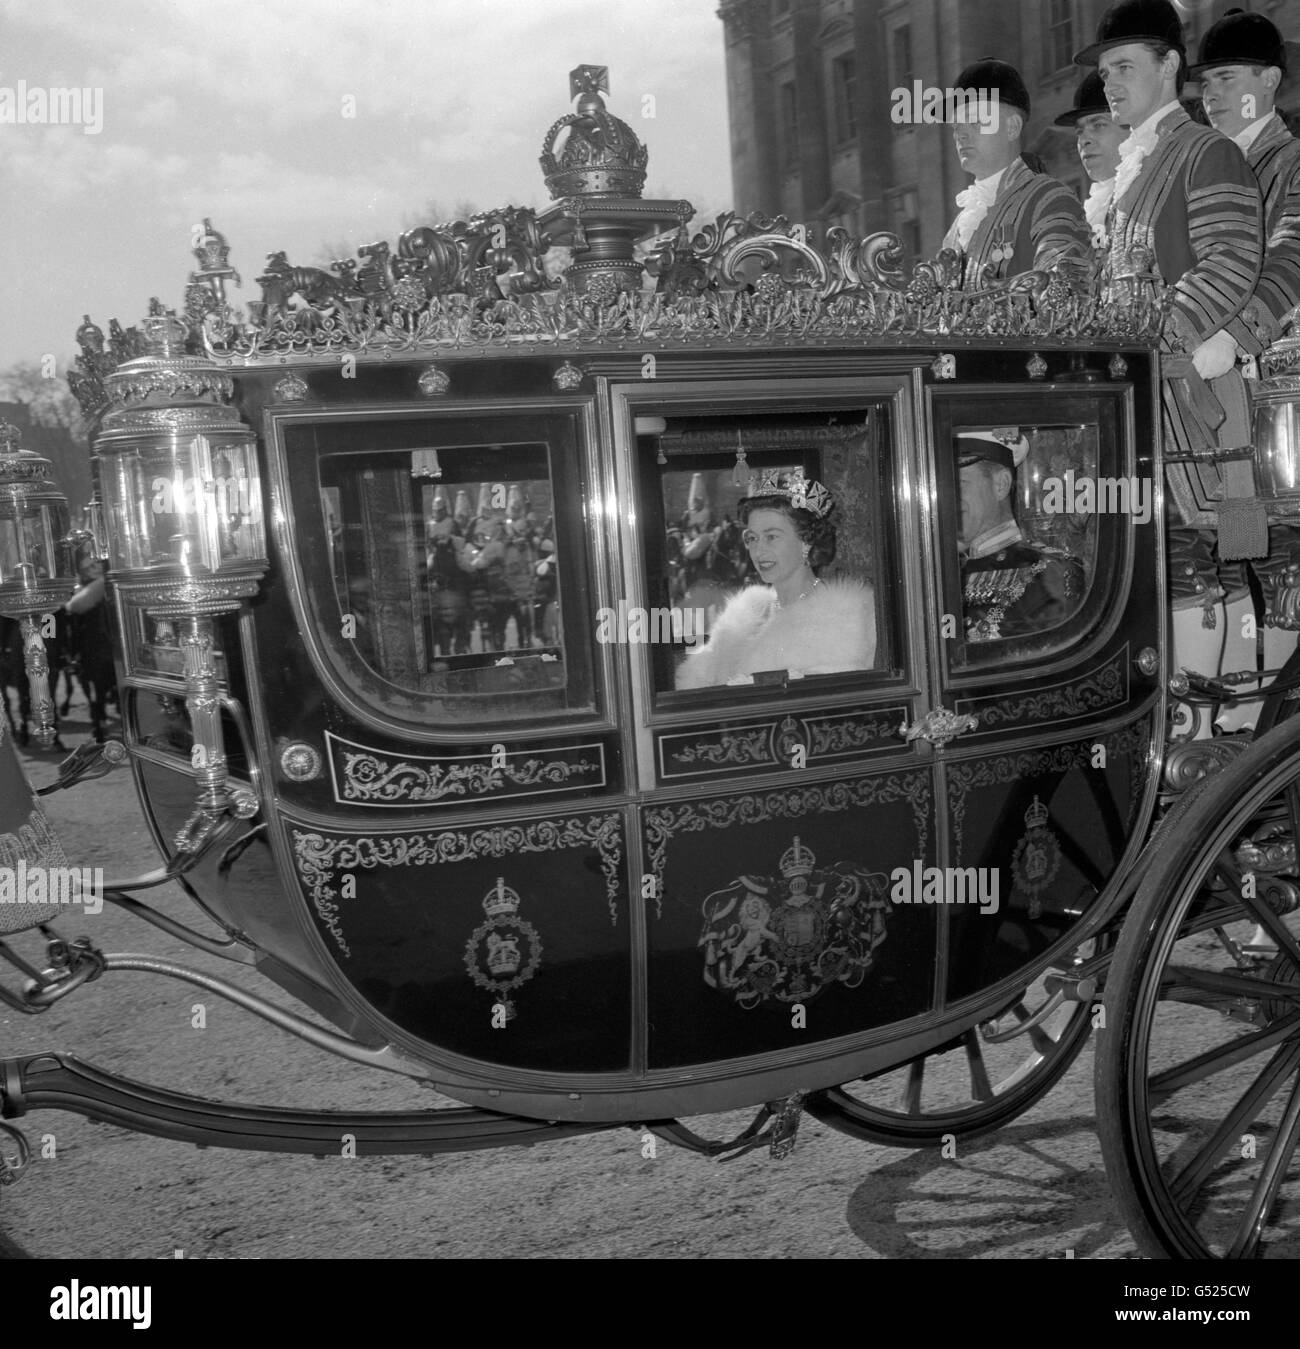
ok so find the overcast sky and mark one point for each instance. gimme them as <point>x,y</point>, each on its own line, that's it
<point>235,110</point>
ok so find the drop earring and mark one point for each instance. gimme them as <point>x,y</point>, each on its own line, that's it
<point>807,551</point>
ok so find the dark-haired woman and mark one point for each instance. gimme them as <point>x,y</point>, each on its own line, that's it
<point>796,620</point>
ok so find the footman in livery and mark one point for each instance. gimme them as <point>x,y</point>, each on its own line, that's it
<point>1242,62</point>
<point>1013,218</point>
<point>1187,201</point>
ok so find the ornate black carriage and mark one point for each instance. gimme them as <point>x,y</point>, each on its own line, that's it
<point>449,796</point>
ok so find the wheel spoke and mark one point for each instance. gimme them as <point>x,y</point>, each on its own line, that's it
<point>1172,1080</point>
<point>981,1087</point>
<point>1227,982</point>
<point>1187,1183</point>
<point>1276,928</point>
<point>1270,1181</point>
<point>1042,1042</point>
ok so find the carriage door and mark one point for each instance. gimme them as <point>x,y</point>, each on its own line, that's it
<point>1050,624</point>
<point>775,801</point>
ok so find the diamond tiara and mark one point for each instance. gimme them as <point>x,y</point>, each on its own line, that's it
<point>799,491</point>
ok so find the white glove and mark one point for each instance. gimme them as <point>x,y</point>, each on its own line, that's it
<point>1215,356</point>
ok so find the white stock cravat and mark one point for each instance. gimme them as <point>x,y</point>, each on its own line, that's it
<point>1133,150</point>
<point>974,202</point>
<point>1100,196</point>
<point>1248,135</point>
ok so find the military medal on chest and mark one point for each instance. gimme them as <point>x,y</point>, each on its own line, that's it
<point>989,592</point>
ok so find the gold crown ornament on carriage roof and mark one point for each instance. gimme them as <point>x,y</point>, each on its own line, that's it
<point>802,493</point>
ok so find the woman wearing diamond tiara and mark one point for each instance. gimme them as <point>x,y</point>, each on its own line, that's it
<point>795,620</point>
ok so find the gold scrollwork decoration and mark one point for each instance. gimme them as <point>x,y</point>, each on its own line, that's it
<point>318,856</point>
<point>367,777</point>
<point>1098,690</point>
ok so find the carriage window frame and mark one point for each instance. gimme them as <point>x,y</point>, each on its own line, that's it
<point>819,409</point>
<point>563,431</point>
<point>1110,409</point>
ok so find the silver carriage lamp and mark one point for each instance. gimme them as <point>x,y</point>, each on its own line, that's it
<point>35,569</point>
<point>182,508</point>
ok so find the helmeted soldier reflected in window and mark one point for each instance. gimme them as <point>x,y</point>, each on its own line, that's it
<point>1010,585</point>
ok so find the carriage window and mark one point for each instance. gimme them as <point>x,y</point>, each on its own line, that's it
<point>435,562</point>
<point>1034,529</point>
<point>765,562</point>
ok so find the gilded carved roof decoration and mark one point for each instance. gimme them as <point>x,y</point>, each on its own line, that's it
<point>497,281</point>
<point>603,265</point>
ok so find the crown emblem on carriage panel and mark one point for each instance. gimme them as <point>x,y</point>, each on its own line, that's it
<point>1036,859</point>
<point>500,900</point>
<point>504,951</point>
<point>1037,815</point>
<point>503,956</point>
<point>797,860</point>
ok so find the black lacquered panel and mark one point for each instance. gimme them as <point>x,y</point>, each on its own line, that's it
<point>775,927</point>
<point>507,943</point>
<point>1046,827</point>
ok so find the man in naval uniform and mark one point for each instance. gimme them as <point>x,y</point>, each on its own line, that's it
<point>1242,62</point>
<point>1187,203</point>
<point>1010,586</point>
<point>1097,137</point>
<point>1012,218</point>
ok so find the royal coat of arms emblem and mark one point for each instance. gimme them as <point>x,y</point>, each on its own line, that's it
<point>504,951</point>
<point>784,939</point>
<point>1037,858</point>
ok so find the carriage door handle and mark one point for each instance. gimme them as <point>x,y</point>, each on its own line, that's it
<point>938,726</point>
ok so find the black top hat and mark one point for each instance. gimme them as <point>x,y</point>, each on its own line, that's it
<point>1000,78</point>
<point>1241,39</point>
<point>1089,99</point>
<point>1135,21</point>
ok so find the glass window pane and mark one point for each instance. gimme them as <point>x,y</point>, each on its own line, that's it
<point>1039,521</point>
<point>736,598</point>
<point>440,566</point>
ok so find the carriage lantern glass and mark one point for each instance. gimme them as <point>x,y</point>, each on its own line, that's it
<point>36,575</point>
<point>183,512</point>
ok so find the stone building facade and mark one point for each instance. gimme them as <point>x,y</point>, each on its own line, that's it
<point>810,87</point>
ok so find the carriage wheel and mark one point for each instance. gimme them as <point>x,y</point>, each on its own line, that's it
<point>969,1086</point>
<point>1198,1067</point>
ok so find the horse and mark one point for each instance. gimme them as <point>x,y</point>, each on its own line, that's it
<point>90,645</point>
<point>13,674</point>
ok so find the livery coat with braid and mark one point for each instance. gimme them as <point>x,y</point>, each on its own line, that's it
<point>1195,205</point>
<point>1040,218</point>
<point>1274,156</point>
